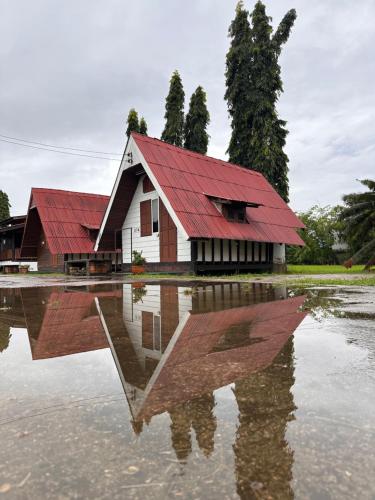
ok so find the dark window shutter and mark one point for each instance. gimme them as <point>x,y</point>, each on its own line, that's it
<point>147,330</point>
<point>147,185</point>
<point>145,207</point>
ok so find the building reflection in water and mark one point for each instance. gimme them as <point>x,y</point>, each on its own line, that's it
<point>173,347</point>
<point>58,323</point>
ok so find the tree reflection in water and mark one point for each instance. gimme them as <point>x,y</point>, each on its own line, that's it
<point>263,459</point>
<point>196,414</point>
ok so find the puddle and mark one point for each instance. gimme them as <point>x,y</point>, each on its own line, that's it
<point>203,391</point>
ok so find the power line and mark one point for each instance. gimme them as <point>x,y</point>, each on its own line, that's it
<point>58,147</point>
<point>60,152</point>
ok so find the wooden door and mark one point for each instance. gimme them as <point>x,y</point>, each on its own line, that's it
<point>167,236</point>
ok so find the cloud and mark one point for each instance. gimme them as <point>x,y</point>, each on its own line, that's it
<point>71,70</point>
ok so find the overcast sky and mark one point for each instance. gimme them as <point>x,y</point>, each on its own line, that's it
<point>70,71</point>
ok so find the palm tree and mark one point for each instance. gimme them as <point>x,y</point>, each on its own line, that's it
<point>359,216</point>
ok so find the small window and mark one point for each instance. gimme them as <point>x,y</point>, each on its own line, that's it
<point>235,212</point>
<point>241,215</point>
<point>155,215</point>
<point>230,212</point>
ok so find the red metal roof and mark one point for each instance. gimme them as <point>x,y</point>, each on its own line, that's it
<point>65,217</point>
<point>189,180</point>
<point>70,325</point>
<point>195,356</point>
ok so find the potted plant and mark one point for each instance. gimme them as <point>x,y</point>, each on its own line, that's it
<point>138,293</point>
<point>24,268</point>
<point>138,262</point>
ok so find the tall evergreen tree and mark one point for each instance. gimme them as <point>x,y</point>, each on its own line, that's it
<point>4,206</point>
<point>174,112</point>
<point>132,121</point>
<point>253,88</point>
<point>143,126</point>
<point>238,73</point>
<point>197,119</point>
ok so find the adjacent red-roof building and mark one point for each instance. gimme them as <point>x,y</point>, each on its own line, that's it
<point>11,232</point>
<point>206,211</point>
<point>61,226</point>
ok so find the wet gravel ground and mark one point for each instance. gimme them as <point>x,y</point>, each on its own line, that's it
<point>21,281</point>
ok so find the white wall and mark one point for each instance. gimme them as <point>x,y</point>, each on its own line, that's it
<point>149,245</point>
<point>279,253</point>
<point>183,248</point>
<point>132,315</point>
<point>33,266</point>
<point>151,303</point>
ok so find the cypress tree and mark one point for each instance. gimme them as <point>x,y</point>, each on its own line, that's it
<point>174,112</point>
<point>197,119</point>
<point>258,140</point>
<point>238,73</point>
<point>4,206</point>
<point>143,126</point>
<point>132,121</point>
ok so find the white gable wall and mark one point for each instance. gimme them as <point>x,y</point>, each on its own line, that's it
<point>149,245</point>
<point>183,248</point>
<point>279,253</point>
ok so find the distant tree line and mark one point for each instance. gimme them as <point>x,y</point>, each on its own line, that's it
<point>324,229</point>
<point>352,225</point>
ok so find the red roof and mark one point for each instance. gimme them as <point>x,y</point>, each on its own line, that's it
<point>208,352</point>
<point>70,325</point>
<point>189,180</point>
<point>66,218</point>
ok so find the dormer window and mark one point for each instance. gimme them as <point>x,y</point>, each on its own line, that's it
<point>234,212</point>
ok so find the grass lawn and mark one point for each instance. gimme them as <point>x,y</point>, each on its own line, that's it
<point>323,269</point>
<point>307,282</point>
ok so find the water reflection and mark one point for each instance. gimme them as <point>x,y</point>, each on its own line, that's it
<point>263,458</point>
<point>173,347</point>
